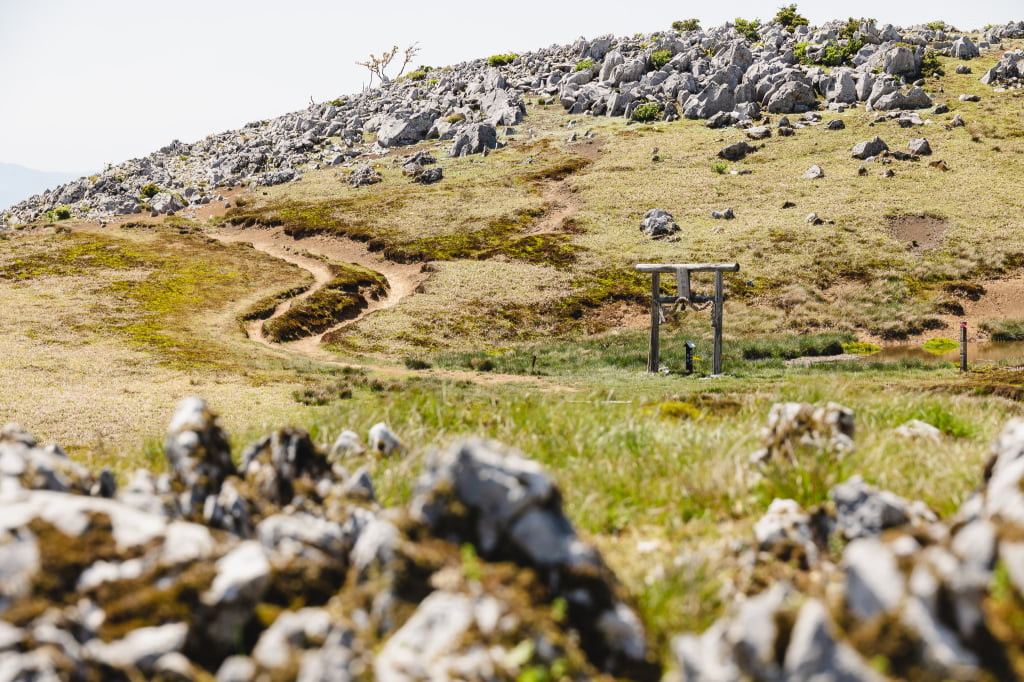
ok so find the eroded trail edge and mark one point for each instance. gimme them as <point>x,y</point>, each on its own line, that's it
<point>403,279</point>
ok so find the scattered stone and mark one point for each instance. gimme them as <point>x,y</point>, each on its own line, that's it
<point>941,109</point>
<point>813,219</point>
<point>736,152</point>
<point>873,147</point>
<point>915,429</point>
<point>658,223</point>
<point>888,173</point>
<point>969,98</point>
<point>429,176</point>
<point>383,441</point>
<point>836,124</point>
<point>864,511</point>
<point>727,214</point>
<point>759,132</point>
<point>474,139</point>
<point>941,165</point>
<point>814,173</point>
<point>862,170</point>
<point>919,146</point>
<point>364,175</point>
<point>963,69</point>
<point>794,428</point>
<point>788,204</point>
<point>785,530</point>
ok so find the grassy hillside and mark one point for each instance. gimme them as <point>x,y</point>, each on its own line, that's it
<point>530,325</point>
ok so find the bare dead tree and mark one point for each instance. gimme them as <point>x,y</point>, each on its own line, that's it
<point>378,65</point>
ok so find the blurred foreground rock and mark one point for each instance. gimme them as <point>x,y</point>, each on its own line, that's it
<point>870,586</point>
<point>287,568</point>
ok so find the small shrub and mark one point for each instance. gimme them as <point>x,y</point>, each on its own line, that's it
<point>930,65</point>
<point>455,118</point>
<point>481,364</point>
<point>790,18</point>
<point>584,64</point>
<point>719,167</point>
<point>322,394</point>
<point>660,58</point>
<point>686,25</point>
<point>647,112</point>
<point>853,26</point>
<point>417,363</point>
<point>59,213</point>
<point>416,75</point>
<point>501,59</point>
<point>149,191</point>
<point>936,25</point>
<point>747,29</point>
<point>337,102</point>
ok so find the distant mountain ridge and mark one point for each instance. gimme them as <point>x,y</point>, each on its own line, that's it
<point>18,182</point>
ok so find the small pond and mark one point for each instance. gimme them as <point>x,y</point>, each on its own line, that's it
<point>992,351</point>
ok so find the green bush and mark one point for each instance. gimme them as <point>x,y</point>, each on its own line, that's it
<point>853,25</point>
<point>415,75</point>
<point>417,363</point>
<point>747,29</point>
<point>834,54</point>
<point>936,25</point>
<point>337,102</point>
<point>660,59</point>
<point>583,64</point>
<point>720,167</point>
<point>646,112</point>
<point>150,191</point>
<point>59,213</point>
<point>686,25</point>
<point>790,18</point>
<point>930,65</point>
<point>501,59</point>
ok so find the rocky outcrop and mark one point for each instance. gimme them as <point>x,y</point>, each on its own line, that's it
<point>708,74</point>
<point>286,567</point>
<point>870,577</point>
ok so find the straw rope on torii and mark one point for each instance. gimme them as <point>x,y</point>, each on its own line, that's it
<point>685,298</point>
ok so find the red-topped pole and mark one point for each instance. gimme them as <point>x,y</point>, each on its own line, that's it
<point>963,346</point>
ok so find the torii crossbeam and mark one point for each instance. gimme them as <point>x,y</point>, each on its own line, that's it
<point>685,298</point>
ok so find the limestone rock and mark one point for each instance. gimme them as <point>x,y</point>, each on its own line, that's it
<point>474,139</point>
<point>658,223</point>
<point>873,147</point>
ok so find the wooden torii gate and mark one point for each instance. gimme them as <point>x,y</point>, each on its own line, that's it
<point>683,298</point>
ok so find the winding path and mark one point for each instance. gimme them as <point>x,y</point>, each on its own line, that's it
<point>402,279</point>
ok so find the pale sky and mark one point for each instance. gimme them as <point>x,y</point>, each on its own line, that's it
<point>85,83</point>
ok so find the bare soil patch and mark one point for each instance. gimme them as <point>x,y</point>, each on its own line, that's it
<point>919,232</point>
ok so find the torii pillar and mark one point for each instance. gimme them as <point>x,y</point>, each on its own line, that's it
<point>683,296</point>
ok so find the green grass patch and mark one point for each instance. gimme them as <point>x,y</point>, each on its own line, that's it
<point>940,345</point>
<point>1004,329</point>
<point>860,348</point>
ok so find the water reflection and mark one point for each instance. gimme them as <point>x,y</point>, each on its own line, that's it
<point>993,351</point>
